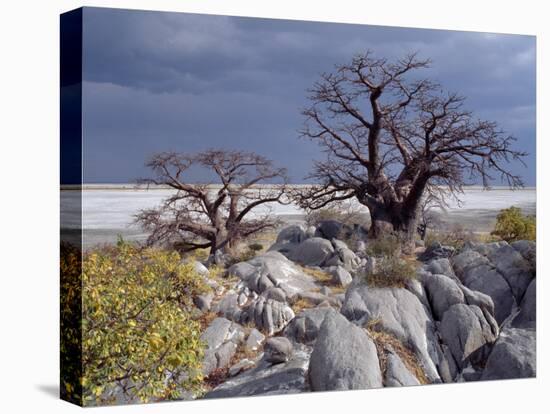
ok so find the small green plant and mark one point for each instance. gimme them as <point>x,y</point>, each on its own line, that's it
<point>140,331</point>
<point>512,225</point>
<point>391,271</point>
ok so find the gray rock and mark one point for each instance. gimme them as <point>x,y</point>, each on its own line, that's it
<point>305,326</point>
<point>477,273</point>
<point>201,269</point>
<point>343,358</point>
<point>291,234</point>
<point>242,270</point>
<point>221,337</point>
<point>277,350</point>
<point>442,292</point>
<point>481,300</point>
<point>312,252</point>
<point>203,302</point>
<point>401,314</point>
<point>344,255</point>
<point>267,379</point>
<point>510,264</point>
<point>275,293</point>
<point>436,251</point>
<point>441,266</point>
<point>528,249</point>
<point>527,316</point>
<point>228,306</point>
<point>397,374</point>
<point>325,290</point>
<point>268,315</point>
<point>468,334</point>
<point>329,229</point>
<point>241,366</point>
<point>255,340</point>
<point>340,276</point>
<point>225,353</point>
<point>217,332</point>
<point>513,356</point>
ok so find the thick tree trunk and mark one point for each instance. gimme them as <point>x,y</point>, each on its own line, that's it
<point>391,221</point>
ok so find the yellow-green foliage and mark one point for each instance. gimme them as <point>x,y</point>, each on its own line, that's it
<point>391,271</point>
<point>139,331</point>
<point>512,225</point>
<point>71,310</point>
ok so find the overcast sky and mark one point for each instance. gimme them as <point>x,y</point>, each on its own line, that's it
<point>173,81</point>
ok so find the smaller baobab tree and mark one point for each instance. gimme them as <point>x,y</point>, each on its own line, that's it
<point>215,214</point>
<point>391,137</point>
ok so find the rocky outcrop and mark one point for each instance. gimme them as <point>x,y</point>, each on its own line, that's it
<point>401,314</point>
<point>468,333</point>
<point>343,357</point>
<point>397,374</point>
<point>222,338</point>
<point>305,326</point>
<point>513,355</point>
<point>268,379</point>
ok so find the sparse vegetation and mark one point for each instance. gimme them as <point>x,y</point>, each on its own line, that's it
<point>386,342</point>
<point>384,246</point>
<point>512,225</point>
<point>392,271</point>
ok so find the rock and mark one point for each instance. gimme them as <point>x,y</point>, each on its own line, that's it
<point>200,268</point>
<point>528,249</point>
<point>268,315</point>
<point>241,366</point>
<point>329,229</point>
<point>401,314</point>
<point>228,306</point>
<point>254,341</point>
<point>343,357</point>
<point>305,326</point>
<point>317,298</point>
<point>513,356</point>
<point>312,252</point>
<point>221,337</point>
<point>267,379</point>
<point>325,290</point>
<point>527,316</point>
<point>441,266</point>
<point>277,349</point>
<point>397,374</point>
<point>203,302</point>
<point>241,270</point>
<point>275,293</point>
<point>344,255</point>
<point>436,251</point>
<point>340,276</point>
<point>477,273</point>
<point>291,234</point>
<point>468,334</point>
<point>510,264</point>
<point>442,292</point>
<point>481,300</point>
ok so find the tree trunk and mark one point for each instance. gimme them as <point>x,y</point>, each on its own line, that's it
<point>392,221</point>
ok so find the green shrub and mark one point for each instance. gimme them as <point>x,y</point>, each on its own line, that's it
<point>512,225</point>
<point>391,271</point>
<point>140,332</point>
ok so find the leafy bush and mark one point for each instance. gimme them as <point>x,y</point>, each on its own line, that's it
<point>512,225</point>
<point>391,271</point>
<point>140,336</point>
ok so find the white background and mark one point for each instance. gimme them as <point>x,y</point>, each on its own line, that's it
<point>29,96</point>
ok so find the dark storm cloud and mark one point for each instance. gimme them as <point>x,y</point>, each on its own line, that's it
<point>157,81</point>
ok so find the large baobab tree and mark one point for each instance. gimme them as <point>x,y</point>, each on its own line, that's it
<point>215,214</point>
<point>391,137</point>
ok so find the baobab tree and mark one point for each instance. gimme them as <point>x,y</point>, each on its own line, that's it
<point>391,137</point>
<point>215,214</point>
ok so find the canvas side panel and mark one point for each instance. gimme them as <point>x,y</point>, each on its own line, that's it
<point>71,206</point>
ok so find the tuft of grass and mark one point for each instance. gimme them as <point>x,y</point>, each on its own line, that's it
<point>384,246</point>
<point>384,342</point>
<point>320,275</point>
<point>392,271</point>
<point>301,304</point>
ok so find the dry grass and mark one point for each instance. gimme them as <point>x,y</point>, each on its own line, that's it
<point>393,271</point>
<point>320,275</point>
<point>385,341</point>
<point>206,319</point>
<point>302,304</point>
